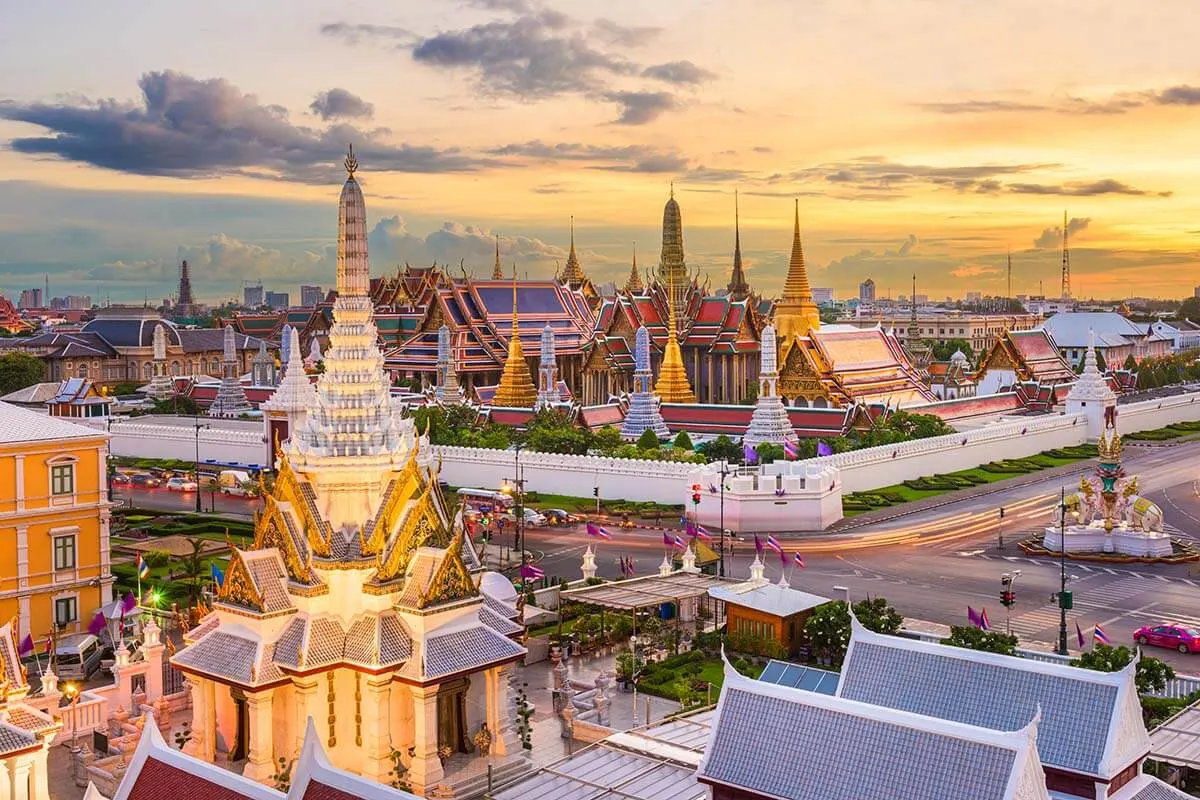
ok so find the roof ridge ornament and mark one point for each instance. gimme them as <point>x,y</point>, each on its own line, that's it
<point>351,163</point>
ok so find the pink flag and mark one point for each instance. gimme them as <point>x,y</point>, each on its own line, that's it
<point>26,646</point>
<point>531,573</point>
<point>799,559</point>
<point>96,626</point>
<point>973,617</point>
<point>667,540</point>
<point>597,531</point>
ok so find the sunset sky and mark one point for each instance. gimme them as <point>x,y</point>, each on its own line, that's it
<point>925,136</point>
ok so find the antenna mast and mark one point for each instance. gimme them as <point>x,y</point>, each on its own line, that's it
<point>1066,262</point>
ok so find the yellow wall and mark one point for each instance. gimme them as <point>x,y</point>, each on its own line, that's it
<point>29,514</point>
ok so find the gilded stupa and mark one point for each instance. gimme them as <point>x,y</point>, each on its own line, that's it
<point>516,389</point>
<point>673,385</point>
<point>359,611</point>
<point>497,269</point>
<point>572,273</point>
<point>634,284</point>
<point>796,314</point>
<point>672,269</point>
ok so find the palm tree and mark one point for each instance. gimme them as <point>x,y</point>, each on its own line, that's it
<point>192,570</point>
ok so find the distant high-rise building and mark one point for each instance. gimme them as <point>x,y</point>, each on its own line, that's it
<point>185,306</point>
<point>822,296</point>
<point>974,297</point>
<point>866,291</point>
<point>1196,291</point>
<point>30,298</point>
<point>252,296</point>
<point>278,300</point>
<point>311,295</point>
<point>921,299</point>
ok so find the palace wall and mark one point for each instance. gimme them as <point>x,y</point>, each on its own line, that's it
<point>1150,414</point>
<point>142,437</point>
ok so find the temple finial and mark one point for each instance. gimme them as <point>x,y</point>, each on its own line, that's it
<point>351,162</point>
<point>672,189</point>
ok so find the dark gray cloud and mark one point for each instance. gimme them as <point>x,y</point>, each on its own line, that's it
<point>340,103</point>
<point>619,35</point>
<point>352,33</point>
<point>682,73</point>
<point>1179,96</point>
<point>515,6</point>
<point>1119,103</point>
<point>187,127</point>
<point>622,155</point>
<point>879,177</point>
<point>1052,237</point>
<point>638,108</point>
<point>1083,188</point>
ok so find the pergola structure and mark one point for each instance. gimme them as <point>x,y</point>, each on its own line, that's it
<point>1177,741</point>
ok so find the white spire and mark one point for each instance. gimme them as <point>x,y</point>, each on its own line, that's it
<point>769,422</point>
<point>230,349</point>
<point>548,393</point>
<point>295,392</point>
<point>447,390</point>
<point>643,413</point>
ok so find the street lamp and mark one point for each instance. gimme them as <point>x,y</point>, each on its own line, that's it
<point>724,472</point>
<point>1064,597</point>
<point>518,484</point>
<point>196,472</point>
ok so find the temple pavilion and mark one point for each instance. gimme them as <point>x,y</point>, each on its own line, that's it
<point>359,610</point>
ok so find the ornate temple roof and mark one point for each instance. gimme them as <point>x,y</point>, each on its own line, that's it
<point>1032,355</point>
<point>864,365</point>
<point>795,314</point>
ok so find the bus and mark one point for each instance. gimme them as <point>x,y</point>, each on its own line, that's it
<point>483,501</point>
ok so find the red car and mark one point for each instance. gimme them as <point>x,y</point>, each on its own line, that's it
<point>1176,637</point>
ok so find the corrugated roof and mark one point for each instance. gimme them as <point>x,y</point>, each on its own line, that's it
<point>22,425</point>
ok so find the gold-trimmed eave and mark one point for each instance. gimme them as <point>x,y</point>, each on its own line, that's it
<point>401,488</point>
<point>238,588</point>
<point>273,528</point>
<point>289,488</point>
<point>419,527</point>
<point>451,582</point>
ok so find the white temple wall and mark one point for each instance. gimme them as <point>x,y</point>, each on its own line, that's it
<point>225,734</point>
<point>787,497</point>
<point>400,722</point>
<point>146,439</point>
<point>1151,414</point>
<point>477,710</point>
<point>617,478</point>
<point>992,381</point>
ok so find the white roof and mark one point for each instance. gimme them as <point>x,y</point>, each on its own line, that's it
<point>1177,741</point>
<point>770,598</point>
<point>22,425</point>
<point>1070,328</point>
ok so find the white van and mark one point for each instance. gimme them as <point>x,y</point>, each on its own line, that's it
<point>233,481</point>
<point>77,656</point>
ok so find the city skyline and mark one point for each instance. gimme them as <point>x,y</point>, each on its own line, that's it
<point>920,137</point>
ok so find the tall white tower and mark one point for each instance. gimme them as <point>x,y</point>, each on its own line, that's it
<point>548,393</point>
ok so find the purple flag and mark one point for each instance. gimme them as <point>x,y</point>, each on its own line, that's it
<point>791,450</point>
<point>26,646</point>
<point>972,617</point>
<point>750,453</point>
<point>824,449</point>
<point>667,540</point>
<point>128,603</point>
<point>598,532</point>
<point>758,547</point>
<point>700,533</point>
<point>783,559</point>
<point>96,626</point>
<point>1079,635</point>
<point>531,573</point>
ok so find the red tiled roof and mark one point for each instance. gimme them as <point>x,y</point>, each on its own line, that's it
<point>321,791</point>
<point>157,780</point>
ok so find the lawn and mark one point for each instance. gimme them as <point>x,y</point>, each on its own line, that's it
<point>689,676</point>
<point>1178,430</point>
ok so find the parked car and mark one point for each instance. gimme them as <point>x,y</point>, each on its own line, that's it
<point>1176,637</point>
<point>77,656</point>
<point>144,481</point>
<point>532,517</point>
<point>121,479</point>
<point>178,484</point>
<point>557,516</point>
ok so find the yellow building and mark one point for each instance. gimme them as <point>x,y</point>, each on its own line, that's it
<point>54,516</point>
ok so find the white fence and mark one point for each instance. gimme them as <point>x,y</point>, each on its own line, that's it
<point>1151,414</point>
<point>554,473</point>
<point>227,441</point>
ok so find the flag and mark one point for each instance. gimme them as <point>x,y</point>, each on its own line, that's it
<point>984,625</point>
<point>758,547</point>
<point>791,450</point>
<point>1100,636</point>
<point>824,449</point>
<point>667,540</point>
<point>750,453</point>
<point>26,646</point>
<point>773,543</point>
<point>973,617</point>
<point>217,575</point>
<point>1079,634</point>
<point>799,560</point>
<point>679,543</point>
<point>531,573</point>
<point>143,569</point>
<point>128,603</point>
<point>49,645</point>
<point>783,559</point>
<point>597,531</point>
<point>96,626</point>
<point>698,532</point>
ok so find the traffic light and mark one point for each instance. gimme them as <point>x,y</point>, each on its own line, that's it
<point>1001,512</point>
<point>1008,597</point>
<point>595,491</point>
<point>695,494</point>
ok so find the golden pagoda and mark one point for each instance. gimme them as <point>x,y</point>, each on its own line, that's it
<point>497,270</point>
<point>634,284</point>
<point>796,314</point>
<point>572,273</point>
<point>516,389</point>
<point>673,386</point>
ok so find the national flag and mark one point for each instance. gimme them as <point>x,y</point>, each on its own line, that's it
<point>751,455</point>
<point>773,543</point>
<point>791,450</point>
<point>799,560</point>
<point>973,617</point>
<point>984,625</point>
<point>823,449</point>
<point>679,543</point>
<point>96,626</point>
<point>530,572</point>
<point>217,574</point>
<point>698,532</point>
<point>128,603</point>
<point>758,546</point>
<point>1100,636</point>
<point>1079,635</point>
<point>597,531</point>
<point>49,645</point>
<point>26,646</point>
<point>143,569</point>
<point>667,540</point>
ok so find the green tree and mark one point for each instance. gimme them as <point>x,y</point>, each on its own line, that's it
<point>607,440</point>
<point>828,631</point>
<point>1189,309</point>
<point>973,638</point>
<point>768,453</point>
<point>1130,363</point>
<point>1152,674</point>
<point>648,440</point>
<point>942,351</point>
<point>177,404</point>
<point>1101,364</point>
<point>878,615</point>
<point>683,441</point>
<point>18,370</point>
<point>551,431</point>
<point>720,448</point>
<point>193,572</point>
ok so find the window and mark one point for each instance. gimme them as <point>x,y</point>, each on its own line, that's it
<point>83,370</point>
<point>66,611</point>
<point>64,552</point>
<point>62,479</point>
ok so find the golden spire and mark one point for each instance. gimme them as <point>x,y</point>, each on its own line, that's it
<point>673,386</point>
<point>351,162</point>
<point>516,389</point>
<point>796,314</point>
<point>572,273</point>
<point>634,284</point>
<point>497,269</point>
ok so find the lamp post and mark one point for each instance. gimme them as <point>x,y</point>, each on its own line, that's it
<point>518,484</point>
<point>724,472</point>
<point>1064,597</point>
<point>196,471</point>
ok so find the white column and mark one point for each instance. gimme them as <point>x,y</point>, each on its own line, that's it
<point>426,769</point>
<point>102,471</point>
<point>20,478</point>
<point>23,614</point>
<point>202,745</point>
<point>260,764</point>
<point>376,729</point>
<point>18,773</point>
<point>105,555</point>
<point>23,557</point>
<point>40,780</point>
<point>503,735</point>
<point>305,693</point>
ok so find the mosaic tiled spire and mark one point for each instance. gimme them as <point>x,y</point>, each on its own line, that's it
<point>770,422</point>
<point>516,388</point>
<point>161,385</point>
<point>263,372</point>
<point>285,344</point>
<point>572,273</point>
<point>547,372</point>
<point>497,269</point>
<point>643,413</point>
<point>672,270</point>
<point>231,398</point>
<point>447,391</point>
<point>673,385</point>
<point>1091,384</point>
<point>796,314</point>
<point>738,287</point>
<point>634,284</point>
<point>295,391</point>
<point>354,414</point>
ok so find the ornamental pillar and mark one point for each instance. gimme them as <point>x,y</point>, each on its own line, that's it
<point>425,771</point>
<point>376,729</point>
<point>202,743</point>
<point>260,763</point>
<point>18,777</point>
<point>305,702</point>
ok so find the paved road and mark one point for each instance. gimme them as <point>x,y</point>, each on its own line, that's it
<point>160,499</point>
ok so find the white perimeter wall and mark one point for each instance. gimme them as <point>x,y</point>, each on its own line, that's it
<point>1150,414</point>
<point>241,442</point>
